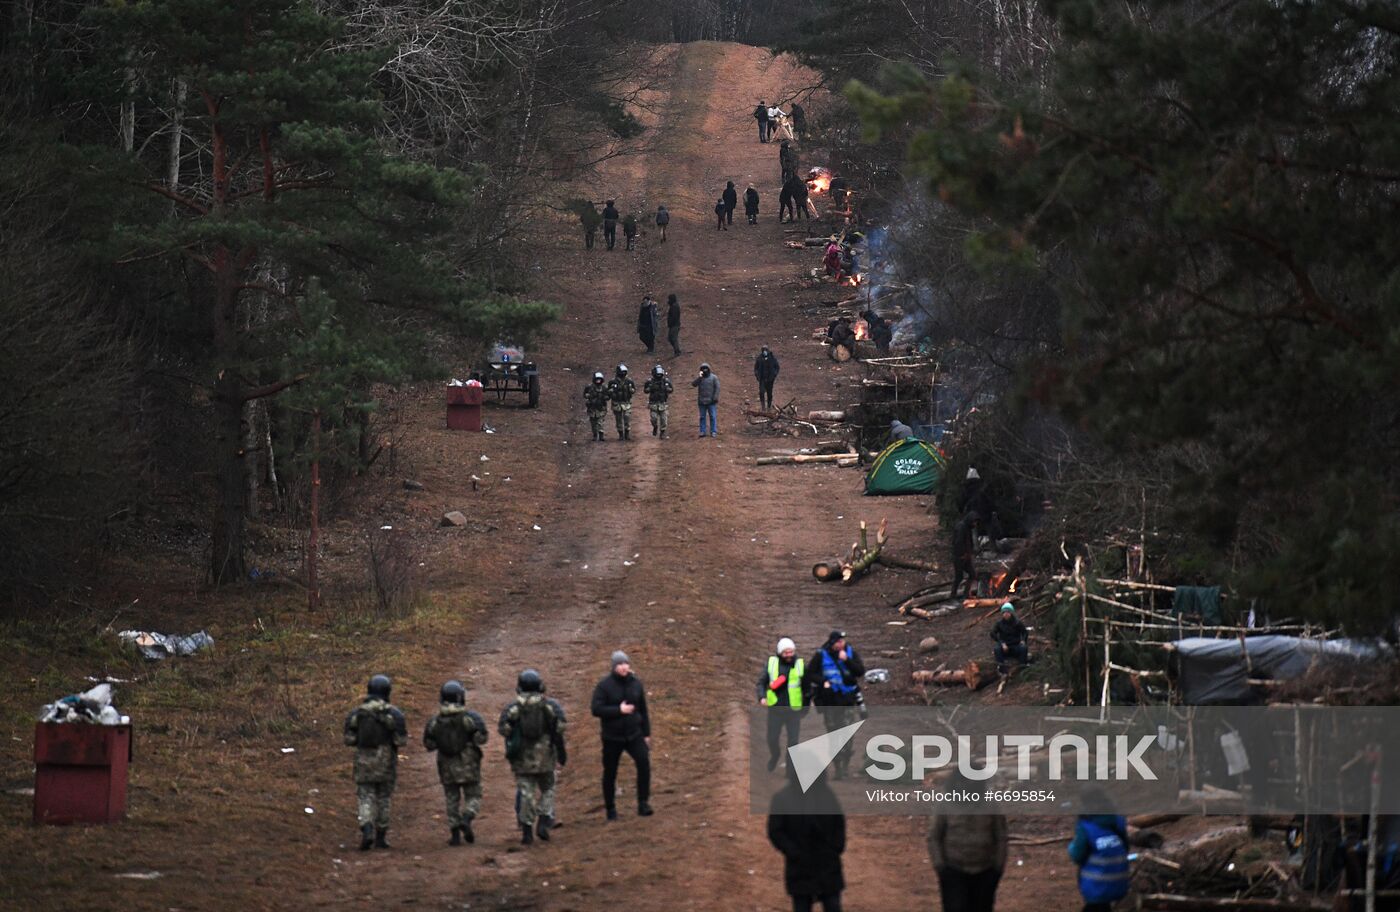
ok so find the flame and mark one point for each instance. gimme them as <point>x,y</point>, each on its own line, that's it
<point>862,329</point>
<point>997,579</point>
<point>1014,583</point>
<point>820,185</point>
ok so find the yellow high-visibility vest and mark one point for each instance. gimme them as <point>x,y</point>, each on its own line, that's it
<point>794,683</point>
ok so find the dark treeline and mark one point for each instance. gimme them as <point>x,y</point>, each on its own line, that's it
<point>1164,235</point>
<point>225,223</point>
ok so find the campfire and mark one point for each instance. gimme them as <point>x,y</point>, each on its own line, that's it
<point>862,329</point>
<point>854,280</point>
<point>999,586</point>
<point>818,180</point>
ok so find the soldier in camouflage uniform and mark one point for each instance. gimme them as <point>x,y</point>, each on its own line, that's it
<point>620,391</point>
<point>658,390</point>
<point>376,729</point>
<point>596,398</point>
<point>534,733</point>
<point>457,734</point>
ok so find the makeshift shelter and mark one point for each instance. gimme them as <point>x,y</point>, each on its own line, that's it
<point>1220,670</point>
<point>908,466</point>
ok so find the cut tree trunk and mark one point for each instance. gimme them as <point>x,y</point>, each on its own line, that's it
<point>927,614</point>
<point>838,353</point>
<point>988,602</point>
<point>862,555</point>
<point>974,675</point>
<point>826,416</point>
<point>804,457</point>
<point>827,571</point>
<point>908,563</point>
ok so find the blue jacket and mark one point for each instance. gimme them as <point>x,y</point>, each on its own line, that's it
<point>1100,848</point>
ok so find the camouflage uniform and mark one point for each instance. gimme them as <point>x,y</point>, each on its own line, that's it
<point>376,768</point>
<point>596,397</point>
<point>460,775</point>
<point>534,762</point>
<point>658,390</point>
<point>546,806</point>
<point>620,391</point>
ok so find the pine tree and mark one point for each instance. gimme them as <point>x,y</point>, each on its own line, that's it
<point>1223,182</point>
<point>295,193</point>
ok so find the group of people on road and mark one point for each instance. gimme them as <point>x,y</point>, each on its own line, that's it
<point>609,220</point>
<point>772,119</point>
<point>729,200</point>
<point>532,725</point>
<point>616,394</point>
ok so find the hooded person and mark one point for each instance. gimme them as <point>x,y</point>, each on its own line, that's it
<point>781,688</point>
<point>457,734</point>
<point>663,218</point>
<point>707,398</point>
<point>648,322</point>
<point>720,210</point>
<point>595,400</point>
<point>899,430</point>
<point>833,686</point>
<point>809,829</point>
<point>731,200</point>
<point>793,199</point>
<point>765,371</point>
<point>1010,637</point>
<point>974,495</point>
<point>376,729</point>
<point>751,204</point>
<point>967,848</point>
<point>620,704</point>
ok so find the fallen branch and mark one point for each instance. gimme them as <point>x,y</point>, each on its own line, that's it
<point>1167,901</point>
<point>908,563</point>
<point>974,675</point>
<point>805,457</point>
<point>864,558</point>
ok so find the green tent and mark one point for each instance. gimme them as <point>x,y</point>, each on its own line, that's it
<point>906,467</point>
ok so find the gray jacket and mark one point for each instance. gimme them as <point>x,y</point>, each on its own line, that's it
<point>706,389</point>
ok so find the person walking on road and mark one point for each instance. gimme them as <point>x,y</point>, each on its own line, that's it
<point>751,204</point>
<point>760,114</point>
<point>534,734</point>
<point>765,371</point>
<point>781,689</point>
<point>663,218</point>
<point>673,323</point>
<point>458,734</point>
<point>610,219</point>
<point>810,831</point>
<point>1100,849</point>
<point>799,120</point>
<point>630,228</point>
<point>1010,637</point>
<point>720,210</point>
<point>834,688</point>
<point>648,322</point>
<point>588,215</point>
<point>376,729</point>
<point>707,397</point>
<point>731,200</point>
<point>793,199</point>
<point>620,703</point>
<point>968,852</point>
<point>621,389</point>
<point>787,161</point>
<point>658,389</point>
<point>964,547</point>
<point>595,399</point>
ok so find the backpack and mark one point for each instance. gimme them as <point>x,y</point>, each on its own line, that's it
<point>451,735</point>
<point>373,729</point>
<point>534,720</point>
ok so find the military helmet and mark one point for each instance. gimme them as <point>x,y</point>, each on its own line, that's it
<point>379,686</point>
<point>453,692</point>
<point>530,682</point>
<point>658,371</point>
<point>597,376</point>
<point>621,369</point>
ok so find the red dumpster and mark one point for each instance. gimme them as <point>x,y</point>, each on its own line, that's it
<point>81,771</point>
<point>464,407</point>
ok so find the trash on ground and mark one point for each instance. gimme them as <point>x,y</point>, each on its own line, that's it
<point>163,645</point>
<point>93,706</point>
<point>140,875</point>
<point>877,676</point>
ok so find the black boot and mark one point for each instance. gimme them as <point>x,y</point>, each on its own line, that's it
<point>644,810</point>
<point>527,834</point>
<point>466,829</point>
<point>456,836</point>
<point>542,827</point>
<point>611,813</point>
<point>379,840</point>
<point>366,837</point>
<point>627,434</point>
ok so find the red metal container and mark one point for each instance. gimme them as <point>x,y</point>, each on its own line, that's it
<point>464,408</point>
<point>81,772</point>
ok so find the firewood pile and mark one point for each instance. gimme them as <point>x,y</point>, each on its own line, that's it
<point>784,419</point>
<point>1211,872</point>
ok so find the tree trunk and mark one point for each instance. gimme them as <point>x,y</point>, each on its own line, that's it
<point>313,543</point>
<point>177,135</point>
<point>227,563</point>
<point>826,571</point>
<point>128,112</point>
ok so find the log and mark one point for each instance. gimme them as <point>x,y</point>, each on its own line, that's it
<point>988,602</point>
<point>926,614</point>
<point>822,415</point>
<point>908,563</point>
<point>1169,901</point>
<point>826,571</point>
<point>977,675</point>
<point>838,353</point>
<point>945,678</point>
<point>803,458</point>
<point>862,555</point>
<point>1151,820</point>
<point>922,601</point>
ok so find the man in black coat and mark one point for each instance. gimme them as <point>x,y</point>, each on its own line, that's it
<point>765,371</point>
<point>760,114</point>
<point>731,199</point>
<point>751,204</point>
<point>620,703</point>
<point>673,323</point>
<point>964,547</point>
<point>648,322</point>
<point>810,830</point>
<point>610,219</point>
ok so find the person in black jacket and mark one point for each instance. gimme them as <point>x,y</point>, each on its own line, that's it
<point>731,199</point>
<point>760,114</point>
<point>620,703</point>
<point>765,371</point>
<point>793,199</point>
<point>610,219</point>
<point>648,321</point>
<point>751,204</point>
<point>673,323</point>
<point>720,209</point>
<point>1011,638</point>
<point>810,830</point>
<point>833,682</point>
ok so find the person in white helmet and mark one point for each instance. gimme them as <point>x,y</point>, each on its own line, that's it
<point>780,689</point>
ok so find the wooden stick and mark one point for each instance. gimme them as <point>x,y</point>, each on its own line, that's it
<point>803,458</point>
